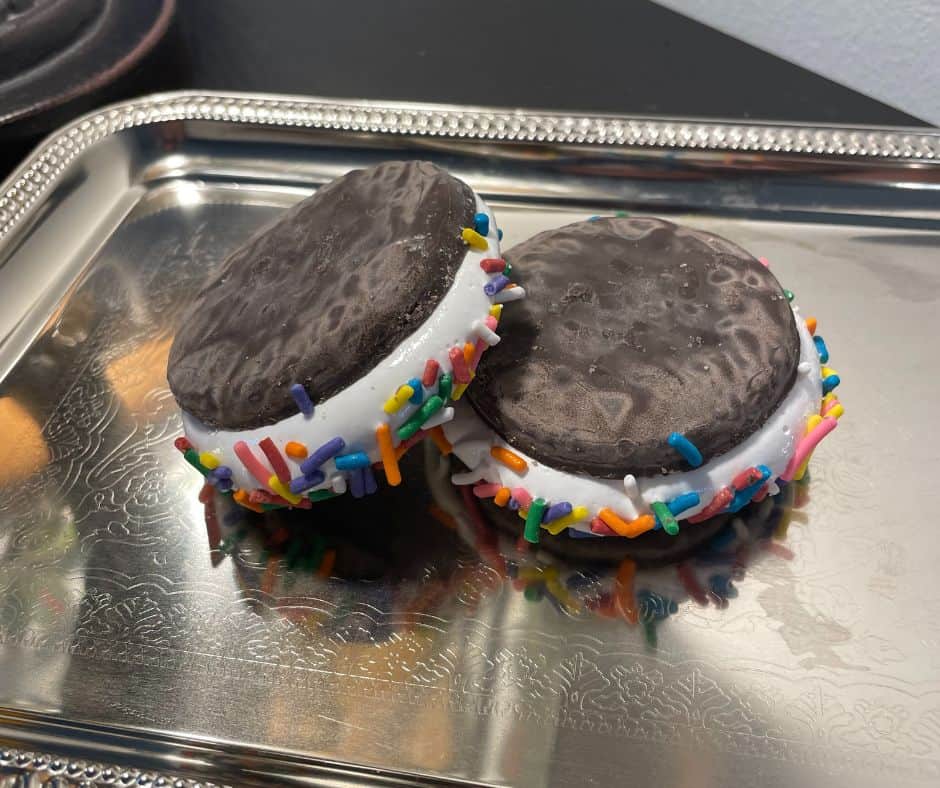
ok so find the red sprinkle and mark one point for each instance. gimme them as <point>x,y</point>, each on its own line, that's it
<point>277,461</point>
<point>722,498</point>
<point>761,493</point>
<point>459,362</point>
<point>182,444</point>
<point>206,493</point>
<point>598,526</point>
<point>746,478</point>
<point>263,496</point>
<point>431,368</point>
<point>690,584</point>
<point>493,265</point>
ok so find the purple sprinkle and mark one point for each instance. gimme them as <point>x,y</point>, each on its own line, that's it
<point>327,451</point>
<point>223,472</point>
<point>371,485</point>
<point>574,533</point>
<point>556,511</point>
<point>514,504</point>
<point>495,284</point>
<point>302,483</point>
<point>357,483</point>
<point>211,478</point>
<point>225,485</point>
<point>303,401</point>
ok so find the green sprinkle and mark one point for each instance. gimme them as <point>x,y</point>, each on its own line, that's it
<point>293,553</point>
<point>789,295</point>
<point>666,518</point>
<point>421,415</point>
<point>192,457</point>
<point>533,592</point>
<point>621,214</point>
<point>445,386</point>
<point>322,495</point>
<point>533,520</point>
<point>649,629</point>
<point>507,270</point>
<point>270,507</point>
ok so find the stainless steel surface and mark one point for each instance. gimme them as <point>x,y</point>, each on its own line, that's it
<point>124,641</point>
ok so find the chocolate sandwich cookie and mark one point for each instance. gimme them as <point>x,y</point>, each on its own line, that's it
<point>655,374</point>
<point>335,338</point>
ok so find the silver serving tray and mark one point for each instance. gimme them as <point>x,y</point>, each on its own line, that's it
<point>130,653</point>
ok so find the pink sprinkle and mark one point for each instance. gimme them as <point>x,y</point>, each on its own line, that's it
<point>461,370</point>
<point>807,444</point>
<point>764,262</point>
<point>779,550</point>
<point>491,322</point>
<point>832,403</point>
<point>431,368</point>
<point>486,490</point>
<point>493,265</point>
<point>598,526</point>
<point>254,466</point>
<point>478,353</point>
<point>521,497</point>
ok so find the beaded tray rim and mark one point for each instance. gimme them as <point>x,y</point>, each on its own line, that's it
<point>48,162</point>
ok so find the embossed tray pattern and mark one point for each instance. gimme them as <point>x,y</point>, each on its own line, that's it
<point>127,648</point>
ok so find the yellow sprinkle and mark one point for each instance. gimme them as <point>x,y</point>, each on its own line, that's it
<point>835,411</point>
<point>530,573</point>
<point>474,239</point>
<point>397,401</point>
<point>557,590</point>
<point>811,422</point>
<point>578,514</point>
<point>209,459</point>
<point>827,371</point>
<point>827,399</point>
<point>496,310</point>
<point>281,489</point>
<point>458,391</point>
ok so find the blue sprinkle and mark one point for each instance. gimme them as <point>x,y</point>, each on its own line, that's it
<point>821,348</point>
<point>303,401</point>
<point>830,383</point>
<point>357,483</point>
<point>495,284</point>
<point>328,450</point>
<point>721,586</point>
<point>582,577</point>
<point>371,485</point>
<point>303,483</point>
<point>514,504</point>
<point>223,472</point>
<point>512,569</point>
<point>574,533</point>
<point>743,497</point>
<point>349,462</point>
<point>681,503</point>
<point>481,223</point>
<point>418,397</point>
<point>593,218</point>
<point>556,511</point>
<point>225,485</point>
<point>655,607</point>
<point>686,448</point>
<point>499,234</point>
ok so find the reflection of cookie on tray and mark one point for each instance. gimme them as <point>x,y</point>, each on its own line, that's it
<point>336,337</point>
<point>644,589</point>
<point>656,376</point>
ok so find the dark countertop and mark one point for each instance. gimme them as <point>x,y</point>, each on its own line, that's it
<point>625,56</point>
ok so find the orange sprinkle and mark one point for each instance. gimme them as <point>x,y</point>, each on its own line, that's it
<point>811,325</point>
<point>468,349</point>
<point>502,497</point>
<point>509,458</point>
<point>624,602</point>
<point>270,573</point>
<point>440,440</point>
<point>241,497</point>
<point>628,528</point>
<point>295,450</point>
<point>442,517</point>
<point>383,435</point>
<point>326,566</point>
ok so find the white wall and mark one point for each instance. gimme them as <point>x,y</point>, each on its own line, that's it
<point>887,49</point>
